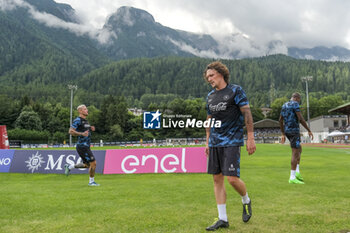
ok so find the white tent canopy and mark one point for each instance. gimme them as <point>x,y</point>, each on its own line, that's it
<point>336,133</point>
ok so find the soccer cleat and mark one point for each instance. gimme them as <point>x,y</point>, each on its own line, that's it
<point>298,176</point>
<point>66,169</point>
<point>217,224</point>
<point>247,211</point>
<point>94,184</point>
<point>296,181</point>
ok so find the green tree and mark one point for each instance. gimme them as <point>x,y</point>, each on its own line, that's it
<point>45,112</point>
<point>116,132</point>
<point>63,114</point>
<point>59,137</point>
<point>94,115</point>
<point>28,120</point>
<point>257,114</point>
<point>9,111</point>
<point>114,111</point>
<point>329,102</point>
<point>29,136</point>
<point>315,108</point>
<point>276,107</point>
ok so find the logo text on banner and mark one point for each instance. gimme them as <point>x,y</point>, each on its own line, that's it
<point>6,157</point>
<point>152,120</point>
<point>156,160</point>
<point>51,161</point>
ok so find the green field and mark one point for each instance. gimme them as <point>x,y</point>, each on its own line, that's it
<point>185,202</point>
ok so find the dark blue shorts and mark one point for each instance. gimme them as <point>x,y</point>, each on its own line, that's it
<point>225,160</point>
<point>85,154</point>
<point>294,139</point>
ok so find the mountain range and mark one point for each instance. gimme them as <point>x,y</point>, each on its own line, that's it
<point>137,34</point>
<point>44,47</point>
<point>132,32</point>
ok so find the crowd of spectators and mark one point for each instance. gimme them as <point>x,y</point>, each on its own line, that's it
<point>267,132</point>
<point>344,129</point>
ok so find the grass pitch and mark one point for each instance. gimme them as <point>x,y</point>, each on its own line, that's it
<point>185,202</point>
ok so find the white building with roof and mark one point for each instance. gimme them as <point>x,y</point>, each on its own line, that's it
<point>322,126</point>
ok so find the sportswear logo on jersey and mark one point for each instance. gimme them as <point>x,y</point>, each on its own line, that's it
<point>151,120</point>
<point>219,107</point>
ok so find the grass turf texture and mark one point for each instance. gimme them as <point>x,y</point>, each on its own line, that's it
<point>185,202</point>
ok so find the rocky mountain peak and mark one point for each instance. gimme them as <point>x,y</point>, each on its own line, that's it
<point>129,16</point>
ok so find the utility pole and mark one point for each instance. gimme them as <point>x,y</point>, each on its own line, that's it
<point>71,88</point>
<point>306,79</point>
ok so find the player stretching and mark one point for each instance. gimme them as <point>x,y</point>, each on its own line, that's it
<point>82,129</point>
<point>290,115</point>
<point>227,103</point>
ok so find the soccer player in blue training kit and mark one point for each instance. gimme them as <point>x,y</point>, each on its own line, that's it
<point>227,103</point>
<point>82,129</point>
<point>291,116</point>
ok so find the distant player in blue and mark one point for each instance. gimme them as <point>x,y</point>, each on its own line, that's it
<point>289,124</point>
<point>81,128</point>
<point>229,104</point>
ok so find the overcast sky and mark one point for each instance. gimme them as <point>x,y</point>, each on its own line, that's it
<point>301,23</point>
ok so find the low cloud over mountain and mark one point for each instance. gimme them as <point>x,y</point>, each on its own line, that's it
<point>132,32</point>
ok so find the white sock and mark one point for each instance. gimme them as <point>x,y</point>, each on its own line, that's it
<point>292,174</point>
<point>92,179</point>
<point>71,166</point>
<point>245,199</point>
<point>222,212</point>
<point>297,170</point>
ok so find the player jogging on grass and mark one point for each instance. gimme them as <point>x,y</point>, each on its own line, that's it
<point>227,103</point>
<point>82,129</point>
<point>289,123</point>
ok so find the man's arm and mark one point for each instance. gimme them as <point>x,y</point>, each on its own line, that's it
<point>303,123</point>
<point>283,139</point>
<point>207,131</point>
<point>248,119</point>
<point>73,132</point>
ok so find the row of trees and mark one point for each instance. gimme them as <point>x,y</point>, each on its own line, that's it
<point>317,106</point>
<point>35,122</point>
<point>45,122</point>
<point>143,81</point>
<point>264,79</point>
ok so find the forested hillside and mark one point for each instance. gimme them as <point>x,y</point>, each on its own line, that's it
<point>142,81</point>
<point>168,84</point>
<point>264,79</point>
<point>39,61</point>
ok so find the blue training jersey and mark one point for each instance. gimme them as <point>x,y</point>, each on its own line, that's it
<point>224,105</point>
<point>81,125</point>
<point>289,114</point>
